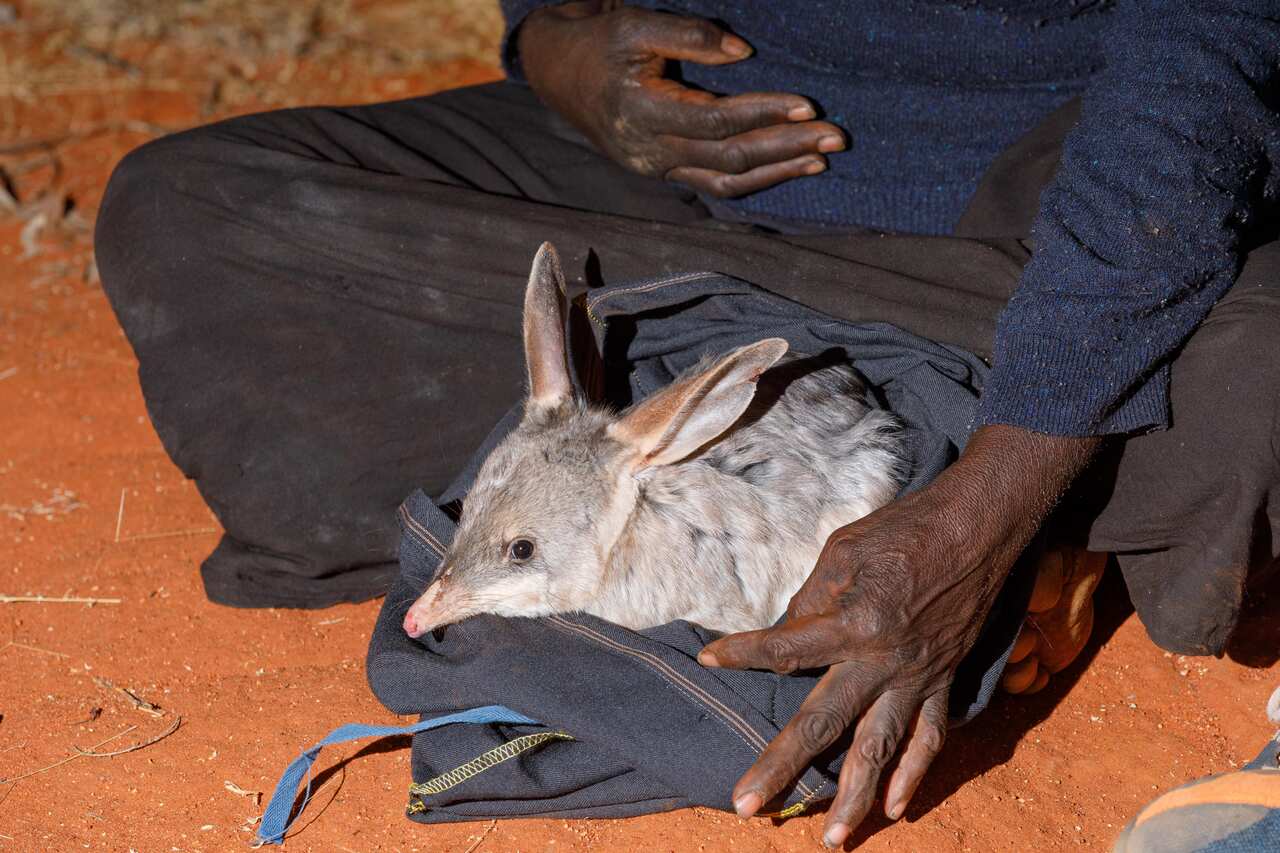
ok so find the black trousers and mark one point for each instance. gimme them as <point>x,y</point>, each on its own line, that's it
<point>325,304</point>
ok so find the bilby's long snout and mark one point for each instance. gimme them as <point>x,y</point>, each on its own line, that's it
<point>430,611</point>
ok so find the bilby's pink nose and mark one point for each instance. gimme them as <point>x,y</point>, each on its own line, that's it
<point>425,613</point>
<point>411,624</point>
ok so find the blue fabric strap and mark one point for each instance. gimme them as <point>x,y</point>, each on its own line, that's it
<point>275,819</point>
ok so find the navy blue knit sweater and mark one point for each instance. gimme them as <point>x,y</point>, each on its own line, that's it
<point>1175,161</point>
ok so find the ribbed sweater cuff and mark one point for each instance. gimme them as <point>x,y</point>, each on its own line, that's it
<point>514,12</point>
<point>1056,387</point>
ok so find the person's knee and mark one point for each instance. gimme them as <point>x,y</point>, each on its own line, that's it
<point>1225,379</point>
<point>1186,510</point>
<point>138,220</point>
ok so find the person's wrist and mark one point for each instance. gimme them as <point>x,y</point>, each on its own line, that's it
<point>537,26</point>
<point>993,499</point>
<point>547,60</point>
<point>528,33</point>
<point>1017,468</point>
<point>550,12</point>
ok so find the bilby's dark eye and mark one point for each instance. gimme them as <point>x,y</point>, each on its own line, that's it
<point>520,550</point>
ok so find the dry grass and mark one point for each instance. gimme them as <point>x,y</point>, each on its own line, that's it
<point>237,53</point>
<point>77,73</point>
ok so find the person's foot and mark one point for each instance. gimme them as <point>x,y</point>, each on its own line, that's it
<point>1059,618</point>
<point>1236,812</point>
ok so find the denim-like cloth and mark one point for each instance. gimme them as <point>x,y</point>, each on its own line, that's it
<point>653,729</point>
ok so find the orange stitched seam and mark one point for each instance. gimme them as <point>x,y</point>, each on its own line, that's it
<point>678,685</point>
<point>592,304</point>
<point>423,534</point>
<point>708,700</point>
<point>739,723</point>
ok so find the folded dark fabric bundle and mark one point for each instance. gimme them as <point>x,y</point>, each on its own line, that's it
<point>630,723</point>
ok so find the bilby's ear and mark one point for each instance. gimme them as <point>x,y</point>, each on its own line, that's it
<point>544,346</point>
<point>694,409</point>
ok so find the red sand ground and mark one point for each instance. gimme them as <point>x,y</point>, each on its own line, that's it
<point>83,81</point>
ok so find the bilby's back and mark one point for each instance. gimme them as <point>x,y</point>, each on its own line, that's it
<point>725,537</point>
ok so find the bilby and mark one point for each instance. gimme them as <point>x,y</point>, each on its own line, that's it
<point>708,501</point>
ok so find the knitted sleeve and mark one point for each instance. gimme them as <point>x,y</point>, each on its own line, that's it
<point>1171,172</point>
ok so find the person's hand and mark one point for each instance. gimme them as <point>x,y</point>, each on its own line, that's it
<point>894,603</point>
<point>602,67</point>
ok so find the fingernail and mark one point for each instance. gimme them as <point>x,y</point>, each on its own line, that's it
<point>835,835</point>
<point>748,804</point>
<point>706,658</point>
<point>830,143</point>
<point>896,811</point>
<point>802,113</point>
<point>814,167</point>
<point>735,46</point>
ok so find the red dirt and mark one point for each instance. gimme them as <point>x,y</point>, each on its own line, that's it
<point>1063,769</point>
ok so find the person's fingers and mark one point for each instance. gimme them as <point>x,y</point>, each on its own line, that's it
<point>875,741</point>
<point>760,147</point>
<point>804,643</point>
<point>678,37</point>
<point>723,185</point>
<point>1026,643</point>
<point>1017,677</point>
<point>825,715</point>
<point>928,734</point>
<point>666,106</point>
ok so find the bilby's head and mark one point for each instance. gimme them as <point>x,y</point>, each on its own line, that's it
<point>556,496</point>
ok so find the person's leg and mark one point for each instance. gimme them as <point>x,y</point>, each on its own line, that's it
<point>1193,512</point>
<point>325,304</point>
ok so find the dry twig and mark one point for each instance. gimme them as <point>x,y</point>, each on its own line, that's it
<point>194,531</point>
<point>241,792</point>
<point>120,515</point>
<point>37,649</point>
<point>173,727</point>
<point>67,760</point>
<point>133,698</point>
<point>44,599</point>
<point>488,829</point>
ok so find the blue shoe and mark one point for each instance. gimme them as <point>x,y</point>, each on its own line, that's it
<point>1236,812</point>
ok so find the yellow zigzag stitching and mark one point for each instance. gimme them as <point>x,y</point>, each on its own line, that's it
<point>479,764</point>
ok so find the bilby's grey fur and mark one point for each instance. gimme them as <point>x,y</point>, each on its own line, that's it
<point>710,501</point>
